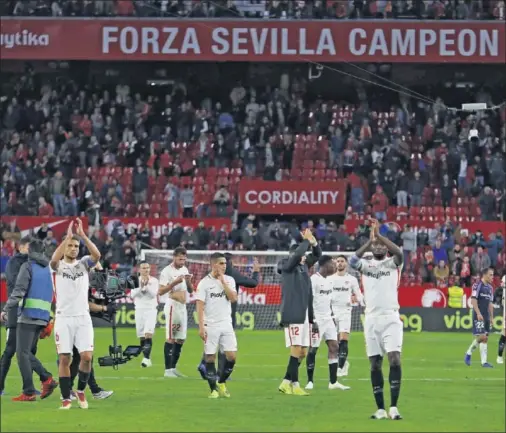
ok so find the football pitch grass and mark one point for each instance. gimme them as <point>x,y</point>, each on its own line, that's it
<point>439,393</point>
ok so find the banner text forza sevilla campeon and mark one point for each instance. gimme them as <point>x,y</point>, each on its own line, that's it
<point>256,40</point>
<point>292,197</point>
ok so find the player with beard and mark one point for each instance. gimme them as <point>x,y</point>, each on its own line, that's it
<point>240,280</point>
<point>482,296</point>
<point>345,292</point>
<point>175,284</point>
<point>326,330</point>
<point>215,293</point>
<point>73,325</point>
<point>383,328</point>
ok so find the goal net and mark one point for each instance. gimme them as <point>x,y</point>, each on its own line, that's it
<point>257,308</point>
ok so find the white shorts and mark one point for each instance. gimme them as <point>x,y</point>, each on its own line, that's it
<point>298,335</point>
<point>176,321</point>
<point>326,331</point>
<point>73,331</point>
<point>383,334</point>
<point>145,321</point>
<point>220,336</point>
<point>342,319</point>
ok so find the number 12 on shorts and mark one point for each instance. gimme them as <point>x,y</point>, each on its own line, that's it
<point>294,331</point>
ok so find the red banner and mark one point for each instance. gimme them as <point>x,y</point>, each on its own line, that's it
<point>292,197</point>
<point>486,227</point>
<point>163,226</point>
<point>254,40</point>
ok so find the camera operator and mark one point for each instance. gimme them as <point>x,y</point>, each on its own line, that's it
<point>98,308</point>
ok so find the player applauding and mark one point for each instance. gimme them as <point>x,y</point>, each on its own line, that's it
<point>73,326</point>
<point>326,330</point>
<point>483,312</point>
<point>345,291</point>
<point>383,326</point>
<point>215,292</point>
<point>297,307</point>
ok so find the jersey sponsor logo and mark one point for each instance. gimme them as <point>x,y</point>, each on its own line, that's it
<point>325,292</point>
<point>341,289</point>
<point>433,298</point>
<point>217,295</point>
<point>72,277</point>
<point>377,275</point>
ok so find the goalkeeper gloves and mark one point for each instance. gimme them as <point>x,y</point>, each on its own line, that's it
<point>48,330</point>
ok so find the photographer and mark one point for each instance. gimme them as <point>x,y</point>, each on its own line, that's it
<point>99,309</point>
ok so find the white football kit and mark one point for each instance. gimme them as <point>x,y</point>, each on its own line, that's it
<point>145,300</point>
<point>383,327</point>
<point>72,325</point>
<point>343,287</point>
<point>176,314</point>
<point>322,295</point>
<point>217,315</point>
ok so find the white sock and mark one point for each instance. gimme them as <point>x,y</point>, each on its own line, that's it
<point>483,352</point>
<point>286,382</point>
<point>295,384</point>
<point>472,347</point>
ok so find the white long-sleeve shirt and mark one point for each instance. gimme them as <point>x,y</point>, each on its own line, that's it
<point>146,296</point>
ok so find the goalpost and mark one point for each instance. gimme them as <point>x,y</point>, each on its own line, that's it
<point>257,309</point>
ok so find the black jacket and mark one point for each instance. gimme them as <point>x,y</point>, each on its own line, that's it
<point>11,274</point>
<point>240,279</point>
<point>296,291</point>
<point>22,285</point>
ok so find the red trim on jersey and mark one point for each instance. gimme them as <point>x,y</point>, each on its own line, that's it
<point>54,287</point>
<point>170,322</point>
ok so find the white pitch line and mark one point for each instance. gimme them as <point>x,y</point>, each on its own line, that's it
<point>261,379</point>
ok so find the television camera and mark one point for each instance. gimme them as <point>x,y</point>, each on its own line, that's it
<point>110,287</point>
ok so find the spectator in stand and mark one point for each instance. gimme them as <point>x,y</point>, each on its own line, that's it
<point>479,261</point>
<point>494,246</point>
<point>439,252</point>
<point>140,185</point>
<point>415,190</point>
<point>222,199</point>
<point>409,246</point>
<point>380,204</point>
<point>428,265</point>
<point>172,197</point>
<point>58,190</point>
<point>441,273</point>
<point>45,209</point>
<point>187,201</point>
<point>488,204</point>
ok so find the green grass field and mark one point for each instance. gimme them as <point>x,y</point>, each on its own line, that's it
<point>439,393</point>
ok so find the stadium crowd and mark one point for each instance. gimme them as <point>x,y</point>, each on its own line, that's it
<point>69,149</point>
<point>284,9</point>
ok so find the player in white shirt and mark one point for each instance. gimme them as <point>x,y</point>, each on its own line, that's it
<point>215,292</point>
<point>502,338</point>
<point>73,326</point>
<point>175,284</point>
<point>383,327</point>
<point>345,293</point>
<point>325,329</point>
<point>145,299</point>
